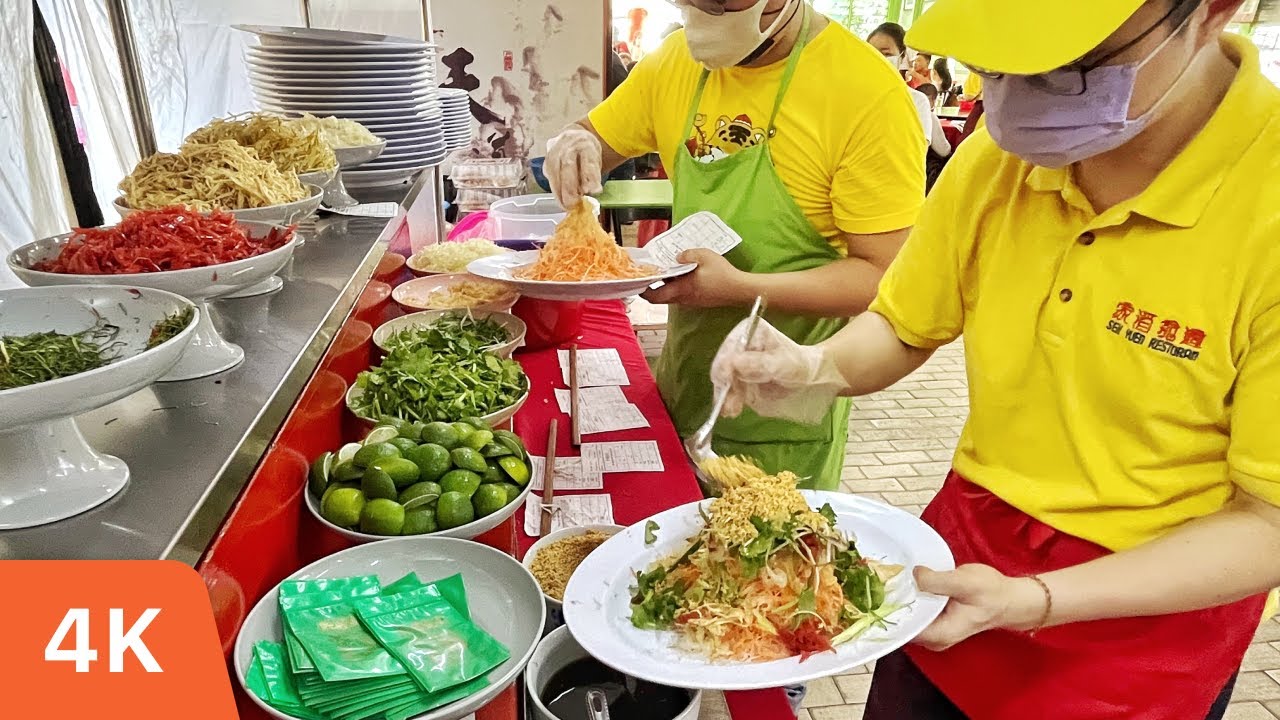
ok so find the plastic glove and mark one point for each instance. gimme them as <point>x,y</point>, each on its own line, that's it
<point>776,377</point>
<point>573,165</point>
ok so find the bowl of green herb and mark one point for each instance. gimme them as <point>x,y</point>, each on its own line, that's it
<point>422,385</point>
<point>66,350</point>
<point>456,331</point>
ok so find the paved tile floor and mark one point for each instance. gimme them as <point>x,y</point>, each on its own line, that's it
<point>900,445</point>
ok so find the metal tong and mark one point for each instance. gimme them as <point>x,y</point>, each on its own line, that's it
<point>698,445</point>
<point>597,705</point>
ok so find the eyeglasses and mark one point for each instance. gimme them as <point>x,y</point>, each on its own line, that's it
<point>1072,79</point>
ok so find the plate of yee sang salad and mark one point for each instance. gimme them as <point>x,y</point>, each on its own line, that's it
<point>764,586</point>
<point>580,261</point>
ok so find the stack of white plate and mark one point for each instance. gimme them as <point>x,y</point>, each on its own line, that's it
<point>383,82</point>
<point>456,105</point>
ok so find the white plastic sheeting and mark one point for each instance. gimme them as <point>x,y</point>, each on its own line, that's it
<point>33,197</point>
<point>193,60</point>
<point>82,32</point>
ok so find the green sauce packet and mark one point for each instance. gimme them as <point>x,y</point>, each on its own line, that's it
<point>339,645</point>
<point>260,682</point>
<point>438,646</point>
<point>315,593</point>
<point>431,701</point>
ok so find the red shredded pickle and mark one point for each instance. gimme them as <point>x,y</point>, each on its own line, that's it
<point>172,238</point>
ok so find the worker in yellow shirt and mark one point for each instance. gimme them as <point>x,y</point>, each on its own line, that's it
<point>803,140</point>
<point>1108,249</point>
<point>971,89</point>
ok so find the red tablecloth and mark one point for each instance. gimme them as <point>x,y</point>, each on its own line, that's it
<point>636,496</point>
<point>952,130</point>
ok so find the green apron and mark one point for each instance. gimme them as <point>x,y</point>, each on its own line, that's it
<point>745,191</point>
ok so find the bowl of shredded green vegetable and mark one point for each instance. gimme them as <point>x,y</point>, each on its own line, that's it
<point>456,331</point>
<point>423,385</point>
<point>66,350</point>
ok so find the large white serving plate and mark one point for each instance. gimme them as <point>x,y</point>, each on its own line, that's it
<point>597,602</point>
<point>350,157</point>
<point>329,76</point>
<point>303,37</point>
<point>283,214</point>
<point>50,472</point>
<point>341,88</point>
<point>338,55</point>
<point>502,596</point>
<point>379,178</point>
<point>418,93</point>
<point>502,269</point>
<point>273,64</point>
<point>412,105</point>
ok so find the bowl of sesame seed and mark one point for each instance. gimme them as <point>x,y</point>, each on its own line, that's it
<point>553,558</point>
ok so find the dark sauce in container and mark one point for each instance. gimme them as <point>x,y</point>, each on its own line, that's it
<point>629,698</point>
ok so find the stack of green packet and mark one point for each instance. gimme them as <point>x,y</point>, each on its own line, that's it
<point>354,650</point>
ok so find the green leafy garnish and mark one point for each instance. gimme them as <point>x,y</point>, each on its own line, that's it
<point>425,385</point>
<point>170,326</point>
<point>457,333</point>
<point>41,357</point>
<point>650,533</point>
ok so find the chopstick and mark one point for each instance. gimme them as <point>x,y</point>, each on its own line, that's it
<point>548,480</point>
<point>575,428</point>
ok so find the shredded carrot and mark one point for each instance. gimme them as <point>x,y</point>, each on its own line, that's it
<point>580,250</point>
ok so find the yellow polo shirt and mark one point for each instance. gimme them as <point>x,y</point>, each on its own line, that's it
<point>1124,366</point>
<point>848,146</point>
<point>972,86</point>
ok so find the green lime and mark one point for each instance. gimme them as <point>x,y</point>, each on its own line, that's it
<point>348,451</point>
<point>342,506</point>
<point>478,439</point>
<point>442,434</point>
<point>464,431</point>
<point>382,517</point>
<point>346,471</point>
<point>413,431</point>
<point>496,450</point>
<point>468,459</point>
<point>512,442</point>
<point>320,470</point>
<point>375,451</point>
<point>377,484</point>
<point>420,521</point>
<point>512,491</point>
<point>419,494</point>
<point>454,509</point>
<point>516,469</point>
<point>460,481</point>
<point>402,471</point>
<point>488,500</point>
<point>432,461</point>
<point>475,422</point>
<point>381,434</point>
<point>404,445</point>
<point>492,473</point>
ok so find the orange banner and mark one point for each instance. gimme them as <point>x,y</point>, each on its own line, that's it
<point>109,639</point>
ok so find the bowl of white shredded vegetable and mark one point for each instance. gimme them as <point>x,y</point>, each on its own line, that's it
<point>455,291</point>
<point>452,257</point>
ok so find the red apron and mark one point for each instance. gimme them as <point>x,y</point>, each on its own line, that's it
<point>1169,667</point>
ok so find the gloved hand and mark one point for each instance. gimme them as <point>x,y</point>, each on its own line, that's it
<point>775,376</point>
<point>573,165</point>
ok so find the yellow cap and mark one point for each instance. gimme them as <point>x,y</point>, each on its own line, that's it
<point>1018,37</point>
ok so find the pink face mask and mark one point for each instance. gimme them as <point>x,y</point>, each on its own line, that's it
<point>1065,116</point>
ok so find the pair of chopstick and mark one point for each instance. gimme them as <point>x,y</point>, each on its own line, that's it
<point>575,436</point>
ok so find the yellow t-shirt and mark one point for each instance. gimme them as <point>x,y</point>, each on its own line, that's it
<point>848,145</point>
<point>1124,366</point>
<point>972,87</point>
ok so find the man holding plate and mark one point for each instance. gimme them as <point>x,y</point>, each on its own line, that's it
<point>1110,255</point>
<point>798,136</point>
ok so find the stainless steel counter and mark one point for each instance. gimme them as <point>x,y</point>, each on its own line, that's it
<point>191,446</point>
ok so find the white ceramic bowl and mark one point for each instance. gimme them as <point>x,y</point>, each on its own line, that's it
<point>514,327</point>
<point>555,608</point>
<point>416,294</point>
<point>495,419</point>
<point>502,597</point>
<point>50,472</point>
<point>350,157</point>
<point>471,530</point>
<point>284,214</point>
<point>209,352</point>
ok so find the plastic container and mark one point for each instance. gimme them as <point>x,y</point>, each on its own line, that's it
<point>529,216</point>
<point>487,172</point>
<point>372,305</point>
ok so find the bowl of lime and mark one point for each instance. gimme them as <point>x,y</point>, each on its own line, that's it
<point>457,480</point>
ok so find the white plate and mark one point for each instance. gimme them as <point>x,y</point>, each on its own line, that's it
<point>329,76</point>
<point>379,178</point>
<point>502,596</point>
<point>349,157</point>
<point>502,268</point>
<point>303,37</point>
<point>341,88</point>
<point>391,109</point>
<point>271,65</point>
<point>332,95</point>
<point>284,214</point>
<point>339,55</point>
<point>597,601</point>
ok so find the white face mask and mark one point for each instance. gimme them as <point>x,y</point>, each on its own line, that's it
<point>721,41</point>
